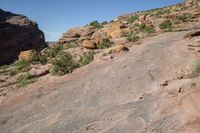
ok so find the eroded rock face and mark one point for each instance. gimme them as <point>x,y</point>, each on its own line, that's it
<point>77,34</point>
<point>18,33</point>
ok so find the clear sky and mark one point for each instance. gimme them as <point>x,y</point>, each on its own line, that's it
<point>57,16</point>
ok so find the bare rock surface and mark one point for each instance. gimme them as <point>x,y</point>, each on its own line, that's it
<point>18,33</point>
<point>113,96</point>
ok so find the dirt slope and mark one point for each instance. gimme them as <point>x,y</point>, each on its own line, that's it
<point>126,94</point>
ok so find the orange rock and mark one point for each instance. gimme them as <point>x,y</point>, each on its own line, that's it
<point>114,30</point>
<point>171,16</point>
<point>27,55</point>
<point>89,44</point>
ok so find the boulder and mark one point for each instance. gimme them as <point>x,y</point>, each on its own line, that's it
<point>18,33</point>
<point>77,34</point>
<point>40,71</point>
<point>27,55</point>
<point>114,30</point>
<point>89,44</point>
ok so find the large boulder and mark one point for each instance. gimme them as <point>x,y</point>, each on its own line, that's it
<point>18,33</point>
<point>89,44</point>
<point>27,55</point>
<point>114,30</point>
<point>77,34</point>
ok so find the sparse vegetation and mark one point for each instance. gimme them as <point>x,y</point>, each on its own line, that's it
<point>24,80</point>
<point>131,37</point>
<point>132,19</point>
<point>185,17</point>
<point>106,43</point>
<point>96,24</point>
<point>144,28</point>
<point>70,45</point>
<point>63,63</point>
<point>12,72</point>
<point>40,58</point>
<point>53,51</point>
<point>22,65</point>
<point>87,58</point>
<point>167,24</point>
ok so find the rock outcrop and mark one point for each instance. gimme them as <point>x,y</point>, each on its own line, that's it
<point>18,33</point>
<point>77,34</point>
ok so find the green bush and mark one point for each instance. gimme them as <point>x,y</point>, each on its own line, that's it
<point>87,58</point>
<point>185,17</point>
<point>22,65</point>
<point>12,72</point>
<point>132,19</point>
<point>96,24</point>
<point>142,27</point>
<point>40,58</point>
<point>63,63</point>
<point>53,51</point>
<point>106,43</point>
<point>25,79</point>
<point>70,45</point>
<point>167,24</point>
<point>149,29</point>
<point>133,38</point>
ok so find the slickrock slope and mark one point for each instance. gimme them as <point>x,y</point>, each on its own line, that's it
<point>144,90</point>
<point>154,87</point>
<point>18,33</point>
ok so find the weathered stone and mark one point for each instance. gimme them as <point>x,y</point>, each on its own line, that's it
<point>40,71</point>
<point>27,55</point>
<point>76,34</point>
<point>89,44</point>
<point>192,34</point>
<point>114,30</point>
<point>18,33</point>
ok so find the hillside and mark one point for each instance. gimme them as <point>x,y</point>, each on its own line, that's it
<point>138,73</point>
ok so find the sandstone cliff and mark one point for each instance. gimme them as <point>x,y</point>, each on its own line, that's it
<point>18,33</point>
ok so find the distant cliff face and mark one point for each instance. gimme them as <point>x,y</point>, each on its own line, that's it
<point>18,33</point>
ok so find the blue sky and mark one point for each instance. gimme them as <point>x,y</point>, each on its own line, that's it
<point>57,16</point>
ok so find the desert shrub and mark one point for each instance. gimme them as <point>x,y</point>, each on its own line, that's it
<point>195,68</point>
<point>167,24</point>
<point>12,72</point>
<point>132,19</point>
<point>185,17</point>
<point>96,24</point>
<point>25,79</point>
<point>87,58</point>
<point>22,65</point>
<point>70,45</point>
<point>63,63</point>
<point>53,51</point>
<point>104,44</point>
<point>133,38</point>
<point>150,30</point>
<point>40,58</point>
<point>144,28</point>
